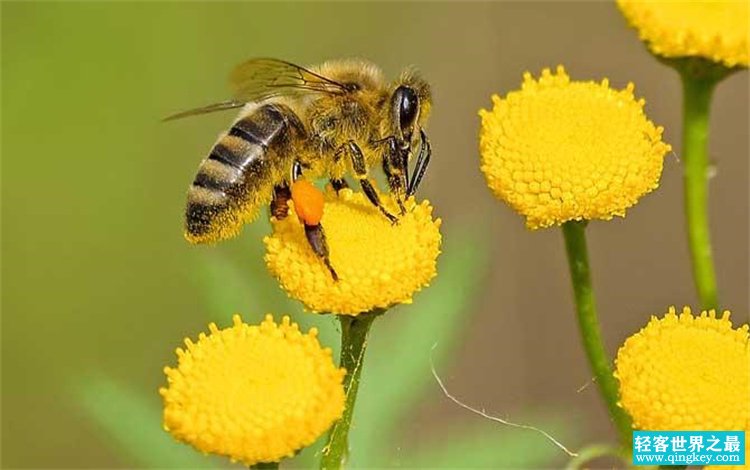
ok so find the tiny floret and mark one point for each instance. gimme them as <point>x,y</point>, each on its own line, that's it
<point>560,150</point>
<point>379,264</point>
<point>685,372</point>
<point>254,393</point>
<point>715,30</point>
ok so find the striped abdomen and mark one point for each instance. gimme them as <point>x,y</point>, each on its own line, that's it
<point>237,177</point>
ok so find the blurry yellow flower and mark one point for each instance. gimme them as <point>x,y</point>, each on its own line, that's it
<point>686,373</point>
<point>715,30</point>
<point>253,393</point>
<point>559,150</point>
<point>378,264</point>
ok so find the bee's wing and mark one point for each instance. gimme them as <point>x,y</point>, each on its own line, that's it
<point>259,79</point>
<point>222,106</point>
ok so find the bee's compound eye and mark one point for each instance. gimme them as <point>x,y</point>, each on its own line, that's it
<point>408,105</point>
<point>308,202</point>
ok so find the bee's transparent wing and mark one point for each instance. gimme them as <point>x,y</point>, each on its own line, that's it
<point>259,79</point>
<point>211,108</point>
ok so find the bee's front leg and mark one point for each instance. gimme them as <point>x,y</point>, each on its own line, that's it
<point>423,160</point>
<point>396,169</point>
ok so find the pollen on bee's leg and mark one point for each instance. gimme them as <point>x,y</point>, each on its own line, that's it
<point>308,202</point>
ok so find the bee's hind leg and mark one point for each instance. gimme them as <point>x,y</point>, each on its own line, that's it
<point>316,237</point>
<point>314,233</point>
<point>360,171</point>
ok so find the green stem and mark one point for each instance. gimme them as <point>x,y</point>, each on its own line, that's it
<point>575,244</point>
<point>697,92</point>
<point>354,331</point>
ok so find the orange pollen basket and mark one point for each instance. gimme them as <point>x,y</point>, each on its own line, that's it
<point>308,202</point>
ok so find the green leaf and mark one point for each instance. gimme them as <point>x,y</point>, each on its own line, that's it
<point>401,343</point>
<point>492,445</point>
<point>132,424</point>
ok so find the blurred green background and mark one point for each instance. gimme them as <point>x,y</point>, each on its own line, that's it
<point>99,287</point>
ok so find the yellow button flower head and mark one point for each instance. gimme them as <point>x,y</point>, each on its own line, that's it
<point>378,264</point>
<point>253,393</point>
<point>559,150</point>
<point>686,373</point>
<point>715,30</point>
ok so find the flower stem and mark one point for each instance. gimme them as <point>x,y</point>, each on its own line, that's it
<point>697,92</point>
<point>354,330</point>
<point>580,273</point>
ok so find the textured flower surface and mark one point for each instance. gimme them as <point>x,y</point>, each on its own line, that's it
<point>378,264</point>
<point>254,393</point>
<point>559,150</point>
<point>715,30</point>
<point>683,372</point>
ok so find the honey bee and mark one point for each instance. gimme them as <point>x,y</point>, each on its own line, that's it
<point>336,119</point>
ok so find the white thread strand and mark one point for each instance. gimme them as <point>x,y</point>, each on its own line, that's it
<point>490,417</point>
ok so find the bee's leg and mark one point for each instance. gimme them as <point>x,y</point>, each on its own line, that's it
<point>403,157</point>
<point>423,160</point>
<point>316,237</point>
<point>279,206</point>
<point>314,233</point>
<point>360,171</point>
<point>395,169</point>
<point>395,184</point>
<point>338,184</point>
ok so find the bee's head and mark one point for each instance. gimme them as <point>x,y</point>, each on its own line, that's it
<point>410,106</point>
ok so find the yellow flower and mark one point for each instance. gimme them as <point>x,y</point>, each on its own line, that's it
<point>378,264</point>
<point>686,373</point>
<point>714,30</point>
<point>559,150</point>
<point>254,393</point>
